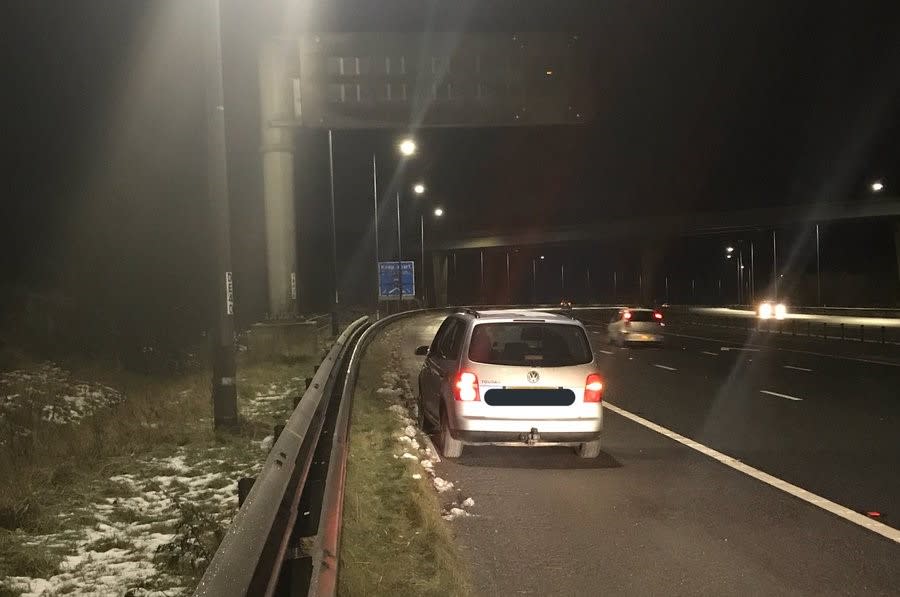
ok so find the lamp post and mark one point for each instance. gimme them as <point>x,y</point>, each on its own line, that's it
<point>407,148</point>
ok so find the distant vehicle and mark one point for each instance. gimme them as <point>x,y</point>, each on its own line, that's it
<point>565,304</point>
<point>511,377</point>
<point>770,309</point>
<point>636,325</point>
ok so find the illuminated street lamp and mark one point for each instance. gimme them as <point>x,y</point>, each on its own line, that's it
<point>419,188</point>
<point>407,147</point>
<point>438,212</point>
<point>729,250</point>
<point>877,186</point>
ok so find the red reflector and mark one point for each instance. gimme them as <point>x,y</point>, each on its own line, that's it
<point>873,514</point>
<point>593,388</point>
<point>657,315</point>
<point>626,315</point>
<point>467,387</point>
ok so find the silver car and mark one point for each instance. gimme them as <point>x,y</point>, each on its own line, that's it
<point>630,326</point>
<point>511,377</point>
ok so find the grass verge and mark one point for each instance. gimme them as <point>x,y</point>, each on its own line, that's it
<point>394,541</point>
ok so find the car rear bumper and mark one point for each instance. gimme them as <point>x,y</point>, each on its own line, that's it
<point>639,337</point>
<point>585,424</point>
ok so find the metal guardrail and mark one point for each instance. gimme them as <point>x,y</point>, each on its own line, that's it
<point>262,552</point>
<point>802,328</point>
<point>285,539</point>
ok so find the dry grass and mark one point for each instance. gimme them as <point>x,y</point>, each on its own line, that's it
<point>394,541</point>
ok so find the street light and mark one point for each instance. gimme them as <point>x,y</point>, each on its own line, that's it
<point>729,250</point>
<point>419,188</point>
<point>877,186</point>
<point>407,147</point>
<point>438,212</point>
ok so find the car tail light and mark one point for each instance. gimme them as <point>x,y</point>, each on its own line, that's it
<point>657,316</point>
<point>626,315</point>
<point>467,387</point>
<point>593,388</point>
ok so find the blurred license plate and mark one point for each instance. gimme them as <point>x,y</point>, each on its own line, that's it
<point>643,337</point>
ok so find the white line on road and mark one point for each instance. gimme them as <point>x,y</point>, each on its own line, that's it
<point>712,354</point>
<point>798,492</point>
<point>798,368</point>
<point>744,349</point>
<point>780,395</point>
<point>606,351</point>
<point>666,367</point>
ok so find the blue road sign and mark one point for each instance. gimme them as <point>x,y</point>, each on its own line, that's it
<point>389,280</point>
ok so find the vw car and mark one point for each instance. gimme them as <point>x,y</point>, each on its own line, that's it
<point>632,326</point>
<point>511,378</point>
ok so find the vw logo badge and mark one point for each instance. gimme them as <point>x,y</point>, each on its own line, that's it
<point>533,377</point>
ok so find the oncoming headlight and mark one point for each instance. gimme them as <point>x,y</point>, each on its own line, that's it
<point>780,311</point>
<point>765,310</point>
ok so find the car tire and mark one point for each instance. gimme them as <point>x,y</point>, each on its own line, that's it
<point>424,424</point>
<point>449,447</point>
<point>588,449</point>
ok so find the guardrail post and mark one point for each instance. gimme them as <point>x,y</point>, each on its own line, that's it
<point>808,328</point>
<point>793,328</point>
<point>308,382</point>
<point>245,484</point>
<point>277,430</point>
<point>882,334</point>
<point>862,333</point>
<point>824,330</point>
<point>842,331</point>
<point>298,397</point>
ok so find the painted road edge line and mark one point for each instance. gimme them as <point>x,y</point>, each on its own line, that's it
<point>712,354</point>
<point>798,492</point>
<point>795,368</point>
<point>606,351</point>
<point>666,367</point>
<point>780,395</point>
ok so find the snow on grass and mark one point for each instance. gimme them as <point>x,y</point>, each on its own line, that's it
<point>48,393</point>
<point>396,386</point>
<point>167,512</point>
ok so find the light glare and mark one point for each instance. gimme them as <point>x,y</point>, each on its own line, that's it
<point>877,186</point>
<point>438,212</point>
<point>407,147</point>
<point>419,188</point>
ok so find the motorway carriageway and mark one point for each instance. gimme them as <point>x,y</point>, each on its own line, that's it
<point>652,515</point>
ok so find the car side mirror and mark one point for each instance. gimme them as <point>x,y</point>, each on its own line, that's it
<point>422,351</point>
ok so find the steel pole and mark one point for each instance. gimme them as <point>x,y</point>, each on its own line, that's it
<point>774,265</point>
<point>224,367</point>
<point>399,257</point>
<point>752,275</point>
<point>481,276</point>
<point>334,270</point>
<point>422,243</point>
<point>508,298</point>
<point>375,223</point>
<point>818,271</point>
<point>534,281</point>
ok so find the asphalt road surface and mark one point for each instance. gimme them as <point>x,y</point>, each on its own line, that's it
<point>653,516</point>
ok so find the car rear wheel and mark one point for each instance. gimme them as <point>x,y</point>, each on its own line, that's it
<point>450,447</point>
<point>589,449</point>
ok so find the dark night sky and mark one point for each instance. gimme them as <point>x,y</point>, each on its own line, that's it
<point>703,105</point>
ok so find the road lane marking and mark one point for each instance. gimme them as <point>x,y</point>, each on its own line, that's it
<point>793,350</point>
<point>666,367</point>
<point>606,351</point>
<point>742,348</point>
<point>780,395</point>
<point>798,492</point>
<point>798,368</point>
<point>712,354</point>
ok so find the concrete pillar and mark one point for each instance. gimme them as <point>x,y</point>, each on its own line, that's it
<point>276,104</point>
<point>897,243</point>
<point>439,271</point>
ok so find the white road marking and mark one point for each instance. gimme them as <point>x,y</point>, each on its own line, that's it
<point>606,351</point>
<point>798,492</point>
<point>798,368</point>
<point>815,354</point>
<point>712,354</point>
<point>780,395</point>
<point>742,348</point>
<point>666,367</point>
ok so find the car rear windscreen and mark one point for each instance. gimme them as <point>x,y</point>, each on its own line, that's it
<point>641,315</point>
<point>529,344</point>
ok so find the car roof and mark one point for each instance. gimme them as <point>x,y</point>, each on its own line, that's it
<point>495,315</point>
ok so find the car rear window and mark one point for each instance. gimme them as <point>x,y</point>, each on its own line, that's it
<point>529,344</point>
<point>641,315</point>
